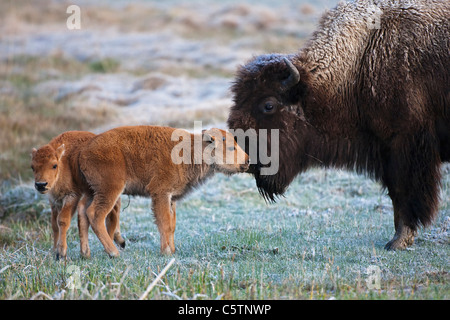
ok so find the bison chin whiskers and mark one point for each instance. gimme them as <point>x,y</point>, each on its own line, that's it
<point>269,188</point>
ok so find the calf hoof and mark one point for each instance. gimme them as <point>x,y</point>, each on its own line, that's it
<point>121,244</point>
<point>119,240</point>
<point>60,256</point>
<point>60,253</point>
<point>114,254</point>
<point>86,254</point>
<point>167,251</point>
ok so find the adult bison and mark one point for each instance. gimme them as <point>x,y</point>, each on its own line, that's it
<point>369,92</point>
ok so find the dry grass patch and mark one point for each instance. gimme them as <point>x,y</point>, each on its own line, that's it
<point>29,118</point>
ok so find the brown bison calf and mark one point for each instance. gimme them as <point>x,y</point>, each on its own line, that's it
<point>56,172</point>
<point>145,161</point>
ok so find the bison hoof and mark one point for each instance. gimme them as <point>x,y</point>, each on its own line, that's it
<point>400,242</point>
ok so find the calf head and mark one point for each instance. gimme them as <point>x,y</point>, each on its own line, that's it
<point>45,163</point>
<point>222,152</point>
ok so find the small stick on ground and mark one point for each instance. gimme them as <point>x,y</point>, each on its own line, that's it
<point>160,275</point>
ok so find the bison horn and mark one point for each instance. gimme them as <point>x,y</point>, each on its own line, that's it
<point>293,78</point>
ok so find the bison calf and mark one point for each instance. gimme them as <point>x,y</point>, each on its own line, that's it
<point>141,161</point>
<point>56,172</point>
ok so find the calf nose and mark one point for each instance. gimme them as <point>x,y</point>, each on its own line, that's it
<point>40,186</point>
<point>244,167</point>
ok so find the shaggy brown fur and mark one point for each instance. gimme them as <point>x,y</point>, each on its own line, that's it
<point>374,98</point>
<point>56,172</point>
<point>138,161</point>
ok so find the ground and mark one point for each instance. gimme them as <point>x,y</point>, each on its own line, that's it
<point>172,64</point>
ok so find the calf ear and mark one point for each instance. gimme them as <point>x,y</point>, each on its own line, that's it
<point>207,137</point>
<point>33,152</point>
<point>60,151</point>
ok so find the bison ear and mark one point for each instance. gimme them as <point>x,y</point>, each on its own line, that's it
<point>60,151</point>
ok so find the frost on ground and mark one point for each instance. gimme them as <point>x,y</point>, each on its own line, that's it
<point>439,233</point>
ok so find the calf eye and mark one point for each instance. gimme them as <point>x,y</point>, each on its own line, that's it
<point>55,166</point>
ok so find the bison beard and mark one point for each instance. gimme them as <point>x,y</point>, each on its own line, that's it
<point>270,187</point>
<point>376,101</point>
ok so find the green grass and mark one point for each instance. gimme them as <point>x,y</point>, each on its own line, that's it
<point>317,243</point>
<point>106,65</point>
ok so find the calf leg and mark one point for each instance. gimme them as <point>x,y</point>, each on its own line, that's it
<point>55,228</point>
<point>83,228</point>
<point>63,221</point>
<point>113,225</point>
<point>96,212</point>
<point>164,221</point>
<point>173,222</point>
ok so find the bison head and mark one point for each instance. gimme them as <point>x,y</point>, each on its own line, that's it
<point>267,95</point>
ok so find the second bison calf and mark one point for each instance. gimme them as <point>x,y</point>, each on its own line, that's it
<point>141,161</point>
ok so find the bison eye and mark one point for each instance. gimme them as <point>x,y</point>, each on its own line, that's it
<point>55,166</point>
<point>269,107</point>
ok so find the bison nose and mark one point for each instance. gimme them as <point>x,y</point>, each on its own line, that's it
<point>40,186</point>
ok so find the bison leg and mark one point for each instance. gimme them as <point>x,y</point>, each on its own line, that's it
<point>165,222</point>
<point>113,225</point>
<point>412,177</point>
<point>96,212</point>
<point>404,234</point>
<point>63,221</point>
<point>83,229</point>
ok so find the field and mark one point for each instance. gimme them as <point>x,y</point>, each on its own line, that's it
<point>172,64</point>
